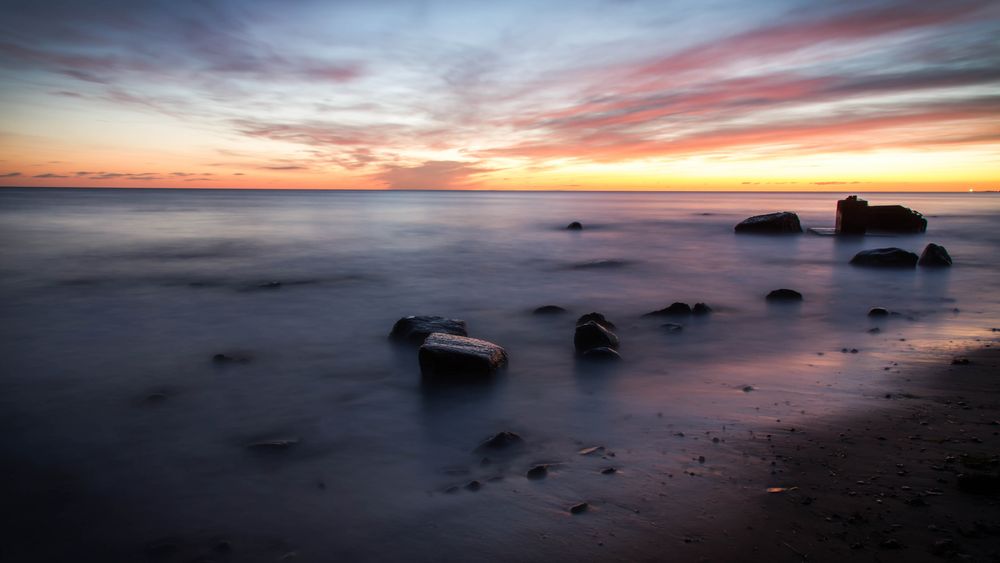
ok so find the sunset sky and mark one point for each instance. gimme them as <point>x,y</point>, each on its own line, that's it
<point>573,95</point>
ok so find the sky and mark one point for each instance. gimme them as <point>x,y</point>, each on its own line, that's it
<point>559,95</point>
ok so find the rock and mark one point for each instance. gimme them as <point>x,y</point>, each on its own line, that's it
<point>608,471</point>
<point>934,256</point>
<point>591,335</point>
<point>601,353</point>
<point>500,441</point>
<point>446,355</point>
<point>979,483</point>
<point>878,312</point>
<point>549,310</point>
<point>579,508</point>
<point>597,318</point>
<point>960,361</point>
<point>784,295</point>
<point>672,327</point>
<point>574,226</point>
<point>538,472</point>
<point>890,257</point>
<point>273,445</point>
<point>780,222</point>
<point>673,309</point>
<point>227,359</point>
<point>701,309</point>
<point>270,285</point>
<point>855,216</point>
<point>416,328</point>
<point>473,486</point>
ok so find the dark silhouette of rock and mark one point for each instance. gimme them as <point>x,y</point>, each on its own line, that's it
<point>549,310</point>
<point>934,255</point>
<point>602,354</point>
<point>270,285</point>
<point>597,318</point>
<point>416,328</point>
<point>784,295</point>
<point>855,216</point>
<point>538,472</point>
<point>500,441</point>
<point>780,222</point>
<point>701,309</point>
<point>891,257</point>
<point>574,226</point>
<point>579,508</point>
<point>672,327</point>
<point>473,486</point>
<point>675,309</point>
<point>449,355</point>
<point>878,312</point>
<point>592,335</point>
<point>273,445</point>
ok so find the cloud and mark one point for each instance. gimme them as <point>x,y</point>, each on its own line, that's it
<point>49,175</point>
<point>284,167</point>
<point>10,175</point>
<point>431,175</point>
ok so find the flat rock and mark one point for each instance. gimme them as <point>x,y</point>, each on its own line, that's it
<point>890,257</point>
<point>592,335</point>
<point>773,223</point>
<point>934,255</point>
<point>549,310</point>
<point>416,328</point>
<point>597,318</point>
<point>784,295</point>
<point>675,309</point>
<point>447,355</point>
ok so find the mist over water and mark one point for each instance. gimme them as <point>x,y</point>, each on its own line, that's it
<point>115,301</point>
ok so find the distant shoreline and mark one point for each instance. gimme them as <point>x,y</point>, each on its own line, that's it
<point>518,191</point>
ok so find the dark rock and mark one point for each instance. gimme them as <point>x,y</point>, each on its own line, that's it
<point>549,310</point>
<point>416,328</point>
<point>878,312</point>
<point>934,256</point>
<point>979,483</point>
<point>890,257</point>
<point>701,309</point>
<point>538,472</point>
<point>672,327</point>
<point>447,355</point>
<point>592,335</point>
<point>270,285</point>
<point>574,226</point>
<point>780,222</point>
<point>855,216</point>
<point>960,361</point>
<point>851,216</point>
<point>601,353</point>
<point>227,359</point>
<point>597,318</point>
<point>608,471</point>
<point>601,264</point>
<point>473,486</point>
<point>784,295</point>
<point>673,309</point>
<point>500,441</point>
<point>273,445</point>
<point>579,508</point>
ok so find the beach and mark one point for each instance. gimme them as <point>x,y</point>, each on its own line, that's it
<point>317,438</point>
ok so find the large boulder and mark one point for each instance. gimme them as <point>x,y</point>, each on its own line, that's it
<point>449,355</point>
<point>597,318</point>
<point>591,335</point>
<point>780,222</point>
<point>895,219</point>
<point>891,257</point>
<point>675,309</point>
<point>416,328</point>
<point>934,255</point>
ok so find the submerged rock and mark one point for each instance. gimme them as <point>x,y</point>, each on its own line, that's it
<point>500,441</point>
<point>674,309</point>
<point>592,335</point>
<point>549,310</point>
<point>780,222</point>
<point>416,328</point>
<point>890,257</point>
<point>934,255</point>
<point>701,309</point>
<point>273,445</point>
<point>579,508</point>
<point>601,353</point>
<point>597,318</point>
<point>784,295</point>
<point>574,226</point>
<point>878,312</point>
<point>538,472</point>
<point>445,355</point>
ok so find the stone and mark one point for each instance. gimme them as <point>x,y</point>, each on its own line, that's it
<point>673,310</point>
<point>549,310</point>
<point>855,216</point>
<point>538,472</point>
<point>447,355</point>
<point>597,318</point>
<point>579,508</point>
<point>416,328</point>
<point>500,441</point>
<point>934,256</point>
<point>591,335</point>
<point>701,309</point>
<point>890,257</point>
<point>672,327</point>
<point>273,445</point>
<point>574,226</point>
<point>878,312</point>
<point>601,353</point>
<point>780,222</point>
<point>784,295</point>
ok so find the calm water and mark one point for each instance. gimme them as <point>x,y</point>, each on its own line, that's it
<point>110,296</point>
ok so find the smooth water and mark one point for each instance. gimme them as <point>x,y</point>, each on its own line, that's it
<point>119,430</point>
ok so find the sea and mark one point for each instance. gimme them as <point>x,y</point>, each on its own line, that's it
<point>124,440</point>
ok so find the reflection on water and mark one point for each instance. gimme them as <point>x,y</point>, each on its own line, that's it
<point>115,302</point>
